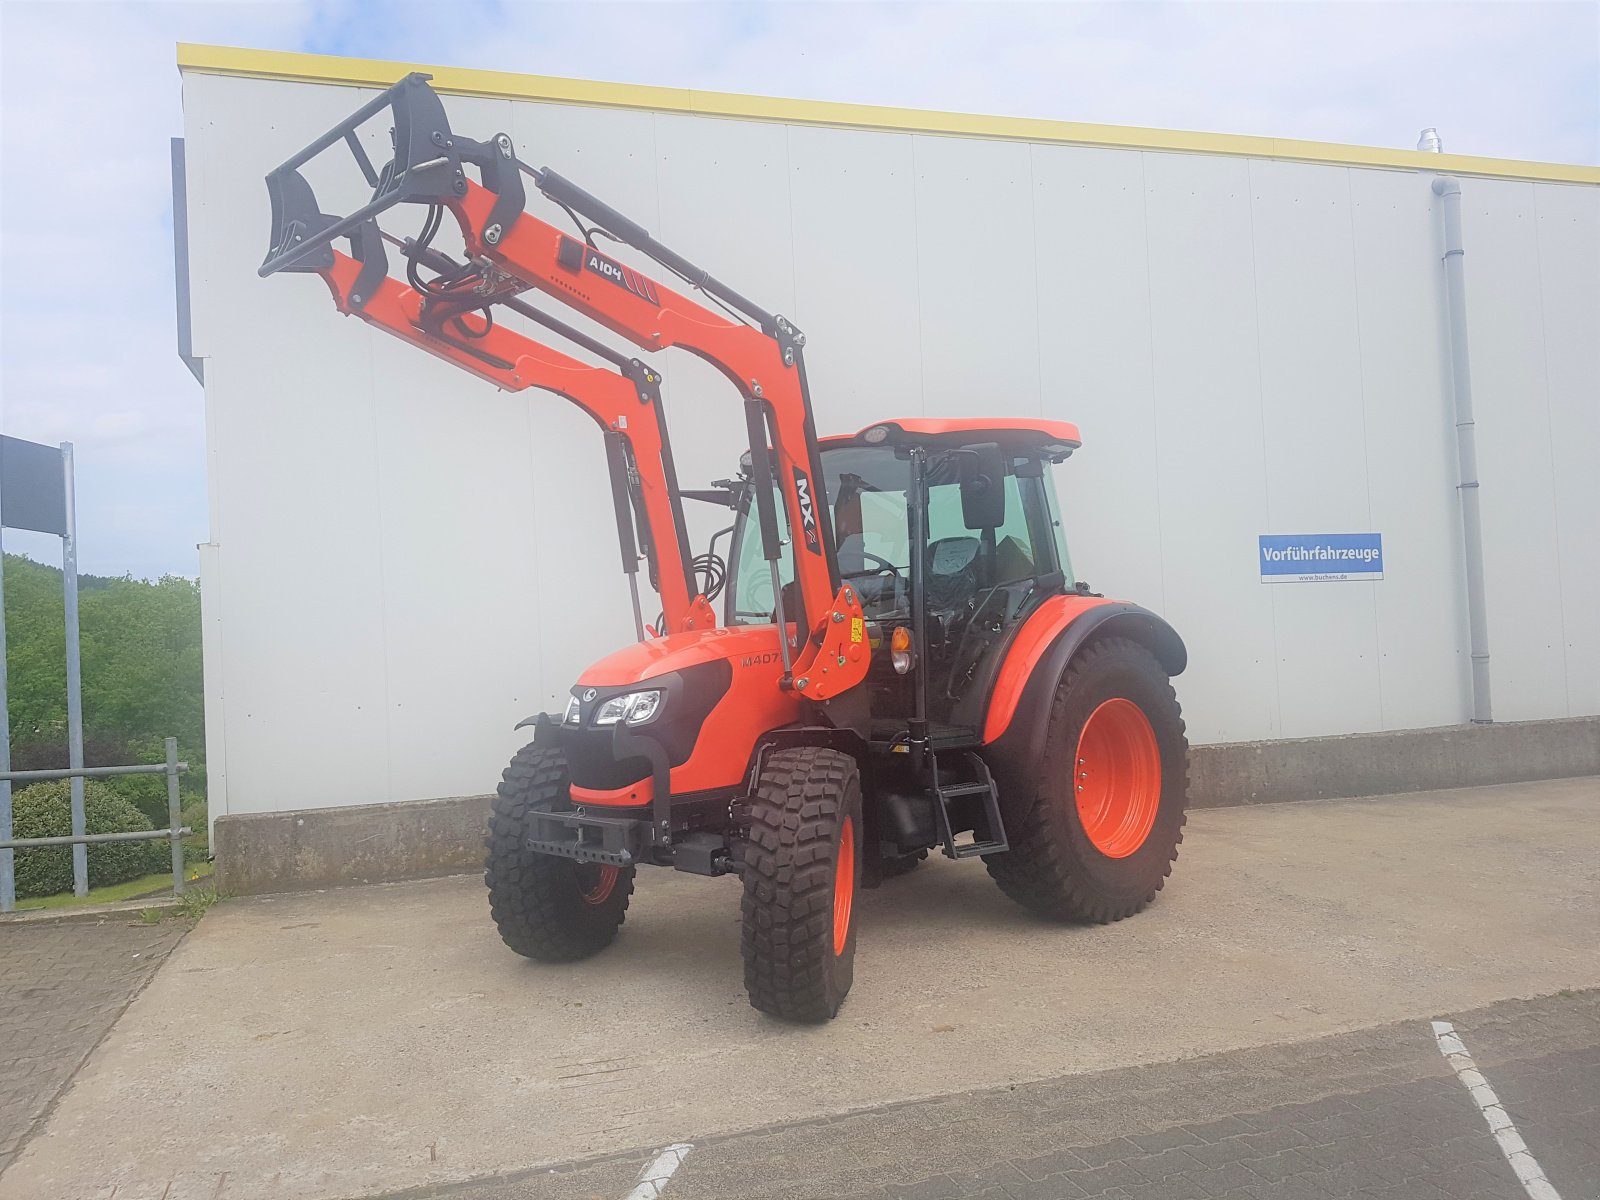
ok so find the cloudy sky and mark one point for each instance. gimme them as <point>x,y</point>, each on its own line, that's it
<point>90,96</point>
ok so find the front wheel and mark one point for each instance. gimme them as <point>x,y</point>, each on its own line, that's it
<point>549,908</point>
<point>802,863</point>
<point>1098,839</point>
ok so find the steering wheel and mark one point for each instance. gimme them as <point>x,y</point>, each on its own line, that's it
<point>882,566</point>
<point>976,641</point>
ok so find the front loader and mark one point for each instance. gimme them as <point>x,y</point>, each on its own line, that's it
<point>904,661</point>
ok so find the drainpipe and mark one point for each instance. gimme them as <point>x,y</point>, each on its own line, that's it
<point>1449,192</point>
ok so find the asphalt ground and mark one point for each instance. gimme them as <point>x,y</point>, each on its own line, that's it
<point>362,1042</point>
<point>1376,1113</point>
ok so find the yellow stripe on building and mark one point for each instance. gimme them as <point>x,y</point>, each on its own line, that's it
<point>505,85</point>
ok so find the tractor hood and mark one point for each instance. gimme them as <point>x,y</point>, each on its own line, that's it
<point>746,647</point>
<point>720,688</point>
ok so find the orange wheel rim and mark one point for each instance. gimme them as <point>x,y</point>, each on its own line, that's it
<point>1117,777</point>
<point>603,886</point>
<point>844,885</point>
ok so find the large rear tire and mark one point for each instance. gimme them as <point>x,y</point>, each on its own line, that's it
<point>1099,839</point>
<point>548,908</point>
<point>802,867</point>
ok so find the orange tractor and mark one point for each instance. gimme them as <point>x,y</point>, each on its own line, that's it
<point>902,659</point>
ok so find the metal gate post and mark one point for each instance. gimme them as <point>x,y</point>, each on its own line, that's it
<point>173,820</point>
<point>8,857</point>
<point>69,586</point>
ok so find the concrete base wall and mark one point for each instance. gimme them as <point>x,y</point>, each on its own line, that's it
<point>360,843</point>
<point>1381,764</point>
<point>329,847</point>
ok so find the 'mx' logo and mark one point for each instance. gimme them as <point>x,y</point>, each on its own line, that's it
<point>808,511</point>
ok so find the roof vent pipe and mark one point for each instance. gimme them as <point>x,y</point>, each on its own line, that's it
<point>1449,192</point>
<point>1429,141</point>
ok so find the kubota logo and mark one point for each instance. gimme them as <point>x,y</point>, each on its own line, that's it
<point>808,511</point>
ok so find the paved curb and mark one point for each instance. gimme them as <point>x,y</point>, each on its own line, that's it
<point>90,912</point>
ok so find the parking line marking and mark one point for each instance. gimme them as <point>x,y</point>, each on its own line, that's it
<point>658,1172</point>
<point>1499,1121</point>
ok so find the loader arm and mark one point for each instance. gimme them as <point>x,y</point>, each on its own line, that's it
<point>515,250</point>
<point>625,402</point>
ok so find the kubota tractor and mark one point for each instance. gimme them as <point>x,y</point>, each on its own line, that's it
<point>904,659</point>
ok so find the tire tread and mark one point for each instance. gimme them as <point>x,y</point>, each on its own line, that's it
<point>787,910</point>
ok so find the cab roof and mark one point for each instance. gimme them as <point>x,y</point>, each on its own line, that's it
<point>1054,438</point>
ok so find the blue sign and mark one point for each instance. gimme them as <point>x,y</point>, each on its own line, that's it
<point>1320,557</point>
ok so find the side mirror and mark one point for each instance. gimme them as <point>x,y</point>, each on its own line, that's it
<point>983,486</point>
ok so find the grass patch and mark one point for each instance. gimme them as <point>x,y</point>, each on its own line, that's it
<point>196,902</point>
<point>133,889</point>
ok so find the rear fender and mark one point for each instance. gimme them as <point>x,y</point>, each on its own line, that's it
<point>1016,731</point>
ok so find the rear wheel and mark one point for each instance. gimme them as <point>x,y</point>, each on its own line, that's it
<point>802,863</point>
<point>548,908</point>
<point>1098,840</point>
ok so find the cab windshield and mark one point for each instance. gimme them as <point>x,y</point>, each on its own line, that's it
<point>866,494</point>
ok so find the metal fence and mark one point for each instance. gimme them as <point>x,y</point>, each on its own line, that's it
<point>175,831</point>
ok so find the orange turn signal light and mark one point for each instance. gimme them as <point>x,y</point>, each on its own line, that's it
<point>900,649</point>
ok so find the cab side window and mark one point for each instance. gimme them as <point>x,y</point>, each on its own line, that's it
<point>1016,544</point>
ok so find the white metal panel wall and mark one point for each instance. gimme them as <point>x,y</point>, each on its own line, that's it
<point>1209,443</point>
<point>845,270</point>
<point>1533,296</point>
<point>1568,220</point>
<point>1314,438</point>
<point>406,562</point>
<point>1096,336</point>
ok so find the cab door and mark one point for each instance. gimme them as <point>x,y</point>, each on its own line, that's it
<point>989,564</point>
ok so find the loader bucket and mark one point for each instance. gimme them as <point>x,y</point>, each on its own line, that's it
<point>295,217</point>
<point>425,169</point>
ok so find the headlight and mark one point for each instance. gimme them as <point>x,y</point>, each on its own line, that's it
<point>572,711</point>
<point>630,708</point>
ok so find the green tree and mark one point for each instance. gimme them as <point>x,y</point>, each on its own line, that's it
<point>141,674</point>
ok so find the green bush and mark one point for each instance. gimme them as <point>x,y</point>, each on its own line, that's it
<point>45,810</point>
<point>147,793</point>
<point>197,846</point>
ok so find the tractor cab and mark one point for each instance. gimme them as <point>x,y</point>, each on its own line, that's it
<point>951,534</point>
